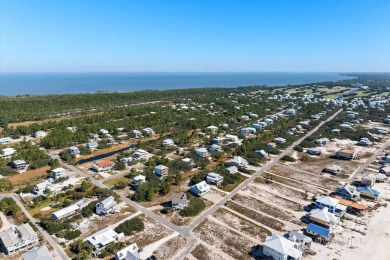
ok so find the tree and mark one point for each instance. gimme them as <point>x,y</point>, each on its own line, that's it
<point>120,166</point>
<point>130,226</point>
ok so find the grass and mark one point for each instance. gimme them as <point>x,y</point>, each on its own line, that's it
<point>25,177</point>
<point>111,182</point>
<point>36,211</point>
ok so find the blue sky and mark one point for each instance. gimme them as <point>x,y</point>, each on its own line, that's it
<point>196,36</point>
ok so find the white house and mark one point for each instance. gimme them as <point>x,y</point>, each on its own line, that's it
<point>129,253</point>
<point>214,178</point>
<point>39,134</point>
<point>103,166</point>
<point>200,188</point>
<point>232,169</point>
<point>58,173</point>
<point>140,154</point>
<point>6,152</point>
<point>291,111</point>
<point>138,180</point>
<point>239,161</point>
<point>136,134</point>
<point>106,206</point>
<point>212,128</point>
<point>280,248</point>
<point>324,217</point>
<point>17,237</point>
<point>92,145</point>
<point>179,200</point>
<point>262,153</point>
<point>148,130</point>
<point>231,138</point>
<point>19,165</point>
<point>73,150</point>
<point>100,239</point>
<point>161,170</point>
<point>40,188</point>
<point>168,143</point>
<point>6,140</point>
<point>103,132</point>
<point>202,152</point>
<point>215,148</point>
<point>66,212</point>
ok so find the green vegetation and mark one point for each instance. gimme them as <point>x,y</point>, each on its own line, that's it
<point>194,207</point>
<point>130,226</point>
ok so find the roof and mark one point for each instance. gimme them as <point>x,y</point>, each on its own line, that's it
<point>58,169</point>
<point>130,252</point>
<point>9,150</point>
<point>38,253</point>
<point>109,202</point>
<point>352,204</point>
<point>10,236</point>
<point>279,244</point>
<point>318,230</point>
<point>161,167</point>
<point>179,197</point>
<point>17,162</point>
<point>104,163</point>
<point>350,151</point>
<point>66,210</point>
<point>324,215</point>
<point>328,201</point>
<point>103,237</point>
<point>232,169</point>
<point>368,191</point>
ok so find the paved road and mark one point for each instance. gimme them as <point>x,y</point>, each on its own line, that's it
<point>187,231</point>
<point>46,235</point>
<point>368,162</point>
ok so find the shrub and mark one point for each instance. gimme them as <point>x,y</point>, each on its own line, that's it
<point>298,148</point>
<point>195,206</point>
<point>130,226</point>
<point>120,185</point>
<point>288,158</point>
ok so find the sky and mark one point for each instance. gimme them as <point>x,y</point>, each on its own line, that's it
<point>195,36</point>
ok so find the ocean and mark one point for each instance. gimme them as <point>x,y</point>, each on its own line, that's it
<point>12,84</point>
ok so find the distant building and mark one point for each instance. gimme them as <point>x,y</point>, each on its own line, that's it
<point>38,253</point>
<point>214,178</point>
<point>232,169</point>
<point>39,134</point>
<point>129,253</point>
<point>5,140</point>
<point>103,166</point>
<point>313,151</point>
<point>7,152</point>
<point>168,143</point>
<point>200,188</point>
<point>332,168</point>
<point>66,212</point>
<point>161,170</point>
<point>346,154</point>
<point>102,238</point>
<point>278,247</point>
<point>73,150</point>
<point>103,132</point>
<point>239,161</point>
<point>58,173</point>
<point>19,165</point>
<point>202,152</point>
<point>92,145</point>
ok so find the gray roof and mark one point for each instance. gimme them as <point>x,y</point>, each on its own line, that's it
<point>179,197</point>
<point>38,253</point>
<point>109,202</point>
<point>19,162</point>
<point>15,235</point>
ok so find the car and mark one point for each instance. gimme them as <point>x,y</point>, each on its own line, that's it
<point>151,258</point>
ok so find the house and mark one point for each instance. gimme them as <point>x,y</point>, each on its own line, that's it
<point>92,145</point>
<point>38,253</point>
<point>40,188</point>
<point>319,232</point>
<point>202,152</point>
<point>347,154</point>
<point>368,192</point>
<point>345,126</point>
<point>217,140</point>
<point>168,143</point>
<point>291,111</point>
<point>354,207</point>
<point>336,131</point>
<point>71,129</point>
<point>365,142</point>
<point>39,134</point>
<point>300,240</point>
<point>126,159</point>
<point>19,165</point>
<point>93,136</point>
<point>247,130</point>
<point>215,148</point>
<point>140,154</point>
<point>179,201</point>
<point>187,160</point>
<point>239,161</point>
<point>368,180</point>
<point>323,217</point>
<point>73,150</point>
<point>58,173</point>
<point>212,128</point>
<point>136,134</point>
<point>103,166</point>
<point>232,169</point>
<point>102,238</point>
<point>271,145</point>
<point>106,206</point>
<point>280,248</point>
<point>200,188</point>
<point>385,170</point>
<point>161,170</point>
<point>313,151</point>
<point>333,168</point>
<point>231,138</point>
<point>66,212</point>
<point>129,253</point>
<point>347,192</point>
<point>333,205</point>
<point>380,177</point>
<point>17,237</point>
<point>279,140</point>
<point>322,141</point>
<point>214,178</point>
<point>138,180</point>
<point>148,131</point>
<point>262,153</point>
<point>103,132</point>
<point>268,121</point>
<point>5,140</point>
<point>7,152</point>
